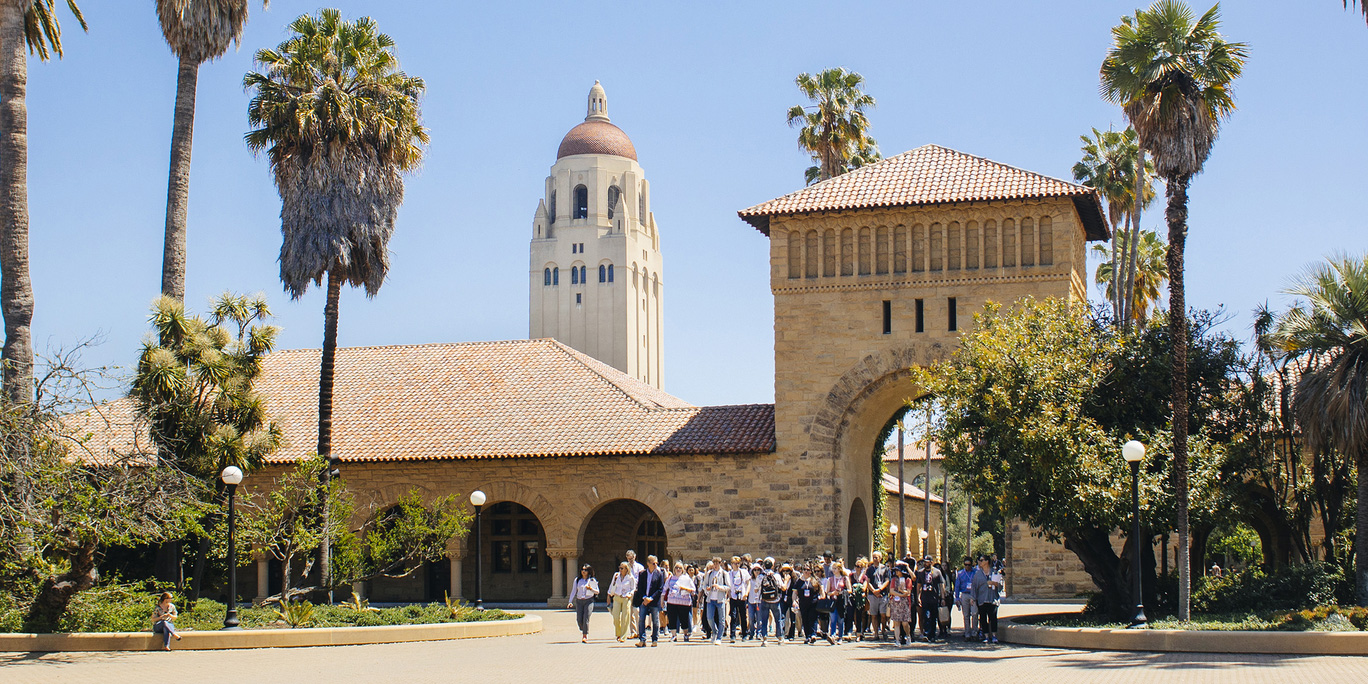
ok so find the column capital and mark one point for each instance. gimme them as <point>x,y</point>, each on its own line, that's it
<point>563,553</point>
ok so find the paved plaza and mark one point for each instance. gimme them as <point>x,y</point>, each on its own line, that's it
<point>557,656</point>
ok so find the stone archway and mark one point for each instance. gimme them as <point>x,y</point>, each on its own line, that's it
<point>857,532</point>
<point>617,526</point>
<point>852,416</point>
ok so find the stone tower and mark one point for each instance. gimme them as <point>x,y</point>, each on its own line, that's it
<point>596,279</point>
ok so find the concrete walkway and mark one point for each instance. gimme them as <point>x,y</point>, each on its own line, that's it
<point>556,656</point>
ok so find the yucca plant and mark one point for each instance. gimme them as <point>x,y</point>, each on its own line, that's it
<point>358,604</point>
<point>457,608</point>
<point>296,614</point>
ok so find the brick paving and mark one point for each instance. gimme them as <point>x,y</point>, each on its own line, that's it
<point>557,656</point>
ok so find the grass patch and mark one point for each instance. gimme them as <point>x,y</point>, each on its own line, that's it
<point>126,609</point>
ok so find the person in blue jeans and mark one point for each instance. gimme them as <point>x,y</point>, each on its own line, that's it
<point>754,605</point>
<point>647,600</point>
<point>837,589</point>
<point>164,620</point>
<point>773,586</point>
<point>714,590</point>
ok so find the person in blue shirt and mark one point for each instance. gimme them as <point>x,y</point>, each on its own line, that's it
<point>964,597</point>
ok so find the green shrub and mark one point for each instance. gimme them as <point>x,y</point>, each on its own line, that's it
<point>1318,617</point>
<point>112,608</point>
<point>1290,588</point>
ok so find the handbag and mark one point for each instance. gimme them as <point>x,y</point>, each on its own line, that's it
<point>824,605</point>
<point>945,613</point>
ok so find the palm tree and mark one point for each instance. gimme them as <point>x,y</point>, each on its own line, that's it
<point>1171,72</point>
<point>30,24</point>
<point>340,124</point>
<point>1331,398</point>
<point>1151,271</point>
<point>1108,165</point>
<point>835,130</point>
<point>197,31</point>
<point>1362,6</point>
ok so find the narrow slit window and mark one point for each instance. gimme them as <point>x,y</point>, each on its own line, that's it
<point>921,315</point>
<point>887,317</point>
<point>953,314</point>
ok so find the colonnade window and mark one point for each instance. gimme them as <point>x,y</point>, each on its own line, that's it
<point>952,246</point>
<point>515,539</point>
<point>650,538</point>
<point>581,202</point>
<point>550,276</point>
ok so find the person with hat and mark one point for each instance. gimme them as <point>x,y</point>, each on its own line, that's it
<point>900,600</point>
<point>753,602</point>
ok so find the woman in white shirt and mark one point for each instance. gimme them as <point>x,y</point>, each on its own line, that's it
<point>620,591</point>
<point>679,601</point>
<point>582,599</point>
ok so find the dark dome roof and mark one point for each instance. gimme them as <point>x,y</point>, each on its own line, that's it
<point>596,137</point>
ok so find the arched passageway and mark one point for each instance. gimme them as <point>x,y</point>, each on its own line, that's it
<point>616,527</point>
<point>516,567</point>
<point>857,536</point>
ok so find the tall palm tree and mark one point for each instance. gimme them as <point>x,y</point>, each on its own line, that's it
<point>30,24</point>
<point>1109,166</point>
<point>1171,72</point>
<point>1362,6</point>
<point>340,124</point>
<point>1151,271</point>
<point>196,31</point>
<point>1331,397</point>
<point>834,130</point>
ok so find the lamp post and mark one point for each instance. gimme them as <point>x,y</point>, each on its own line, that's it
<point>477,499</point>
<point>923,534</point>
<point>1134,453</point>
<point>893,531</point>
<point>232,476</point>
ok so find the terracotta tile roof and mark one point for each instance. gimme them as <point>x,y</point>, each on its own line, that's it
<point>930,174</point>
<point>890,483</point>
<point>520,398</point>
<point>596,137</point>
<point>913,453</point>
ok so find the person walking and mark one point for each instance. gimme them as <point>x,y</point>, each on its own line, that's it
<point>986,586</point>
<point>620,590</point>
<point>772,589</point>
<point>929,588</point>
<point>715,590</point>
<point>738,589</point>
<point>857,616</point>
<point>647,601</point>
<point>837,589</point>
<point>753,601</point>
<point>696,599</point>
<point>164,619</point>
<point>964,597</point>
<point>680,590</point>
<point>900,587</point>
<point>809,591</point>
<point>637,569</point>
<point>876,594</point>
<point>786,606</point>
<point>582,597</point>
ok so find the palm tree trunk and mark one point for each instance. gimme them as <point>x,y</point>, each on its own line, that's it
<point>1116,280</point>
<point>1176,214</point>
<point>1132,263</point>
<point>1361,533</point>
<point>178,183</point>
<point>325,406</point>
<point>16,290</point>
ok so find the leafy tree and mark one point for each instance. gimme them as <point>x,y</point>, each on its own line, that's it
<point>834,130</point>
<point>1022,428</point>
<point>196,31</point>
<point>340,124</point>
<point>24,24</point>
<point>1331,399</point>
<point>1148,272</point>
<point>67,495</point>
<point>1172,74</point>
<point>287,521</point>
<point>195,384</point>
<point>1109,164</point>
<point>397,541</point>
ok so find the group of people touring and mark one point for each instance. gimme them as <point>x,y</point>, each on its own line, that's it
<point>761,599</point>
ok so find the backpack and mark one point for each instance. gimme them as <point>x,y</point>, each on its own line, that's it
<point>769,589</point>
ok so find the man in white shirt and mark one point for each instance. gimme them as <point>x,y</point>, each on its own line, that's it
<point>715,591</point>
<point>637,569</point>
<point>738,588</point>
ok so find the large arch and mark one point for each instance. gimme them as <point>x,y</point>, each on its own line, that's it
<point>581,507</point>
<point>514,562</point>
<point>858,531</point>
<point>852,417</point>
<point>617,526</point>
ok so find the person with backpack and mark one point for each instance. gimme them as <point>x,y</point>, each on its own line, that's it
<point>772,588</point>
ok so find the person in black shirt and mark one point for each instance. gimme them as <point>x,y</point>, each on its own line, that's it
<point>930,585</point>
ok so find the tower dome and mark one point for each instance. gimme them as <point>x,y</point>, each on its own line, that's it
<point>597,135</point>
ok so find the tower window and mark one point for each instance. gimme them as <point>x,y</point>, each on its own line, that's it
<point>546,278</point>
<point>553,206</point>
<point>574,276</point>
<point>574,248</point>
<point>555,276</point>
<point>614,192</point>
<point>954,317</point>
<point>641,205</point>
<point>603,273</point>
<point>887,317</point>
<point>610,273</point>
<point>579,298</point>
<point>581,202</point>
<point>921,315</point>
<point>584,274</point>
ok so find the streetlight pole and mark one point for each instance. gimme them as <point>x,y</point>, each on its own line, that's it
<point>477,499</point>
<point>232,476</point>
<point>900,547</point>
<point>1134,453</point>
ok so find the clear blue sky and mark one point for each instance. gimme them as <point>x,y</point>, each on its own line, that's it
<point>701,88</point>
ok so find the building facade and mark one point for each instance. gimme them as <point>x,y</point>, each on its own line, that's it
<point>596,279</point>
